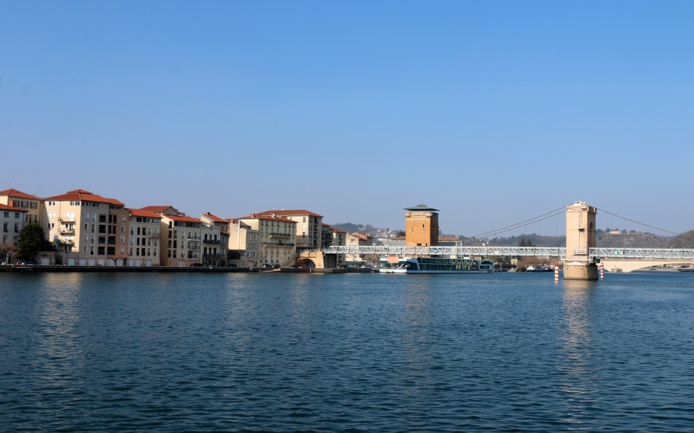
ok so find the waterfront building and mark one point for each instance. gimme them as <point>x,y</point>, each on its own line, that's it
<point>164,210</point>
<point>421,226</point>
<point>243,244</point>
<point>12,221</point>
<point>276,238</point>
<point>357,239</point>
<point>309,227</point>
<point>334,237</point>
<point>145,238</point>
<point>88,228</point>
<point>22,200</point>
<point>215,240</point>
<point>181,239</point>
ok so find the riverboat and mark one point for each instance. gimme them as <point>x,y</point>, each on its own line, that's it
<point>393,268</point>
<point>445,265</point>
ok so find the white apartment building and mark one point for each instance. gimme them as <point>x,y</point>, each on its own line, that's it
<point>91,230</point>
<point>145,238</point>
<point>276,238</point>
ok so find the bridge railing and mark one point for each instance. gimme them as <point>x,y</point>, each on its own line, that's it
<point>499,251</point>
<point>461,251</point>
<point>642,253</point>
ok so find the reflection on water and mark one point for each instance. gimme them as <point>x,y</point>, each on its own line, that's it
<point>276,353</point>
<point>577,369</point>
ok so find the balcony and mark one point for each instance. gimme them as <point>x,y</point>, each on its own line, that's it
<point>212,241</point>
<point>67,231</point>
<point>279,235</point>
<point>277,244</point>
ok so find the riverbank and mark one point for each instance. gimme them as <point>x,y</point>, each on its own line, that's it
<point>171,269</point>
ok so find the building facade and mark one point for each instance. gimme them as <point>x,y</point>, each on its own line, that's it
<point>12,221</point>
<point>18,199</point>
<point>89,229</point>
<point>276,238</point>
<point>181,240</point>
<point>215,240</point>
<point>421,226</point>
<point>145,238</point>
<point>309,227</point>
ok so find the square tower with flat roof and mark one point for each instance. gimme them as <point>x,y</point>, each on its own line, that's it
<point>421,226</point>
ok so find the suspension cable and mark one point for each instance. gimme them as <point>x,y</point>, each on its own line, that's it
<point>636,222</point>
<point>523,223</point>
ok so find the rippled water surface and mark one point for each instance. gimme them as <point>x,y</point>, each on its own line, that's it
<point>355,352</point>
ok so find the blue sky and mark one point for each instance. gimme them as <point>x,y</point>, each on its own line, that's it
<point>492,112</point>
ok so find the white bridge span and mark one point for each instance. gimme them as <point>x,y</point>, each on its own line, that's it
<point>498,251</point>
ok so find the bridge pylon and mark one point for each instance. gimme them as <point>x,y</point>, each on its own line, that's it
<point>580,238</point>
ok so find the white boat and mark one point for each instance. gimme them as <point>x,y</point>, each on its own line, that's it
<point>445,265</point>
<point>394,268</point>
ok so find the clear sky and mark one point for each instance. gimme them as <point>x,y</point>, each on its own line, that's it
<point>492,111</point>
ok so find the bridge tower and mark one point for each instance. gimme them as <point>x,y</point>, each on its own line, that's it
<point>580,238</point>
<point>421,226</point>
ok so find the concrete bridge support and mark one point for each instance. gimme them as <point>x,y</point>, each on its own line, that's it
<point>580,238</point>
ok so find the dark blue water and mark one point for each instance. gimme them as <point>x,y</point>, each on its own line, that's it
<point>353,353</point>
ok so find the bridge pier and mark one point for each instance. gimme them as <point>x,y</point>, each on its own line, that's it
<point>580,238</point>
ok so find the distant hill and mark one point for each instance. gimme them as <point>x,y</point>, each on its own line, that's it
<point>351,228</point>
<point>604,238</point>
<point>684,240</point>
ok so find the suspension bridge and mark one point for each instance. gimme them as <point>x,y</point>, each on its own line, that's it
<point>580,255</point>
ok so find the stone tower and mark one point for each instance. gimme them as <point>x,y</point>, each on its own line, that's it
<point>580,238</point>
<point>421,226</point>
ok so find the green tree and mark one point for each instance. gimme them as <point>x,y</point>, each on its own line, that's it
<point>31,241</point>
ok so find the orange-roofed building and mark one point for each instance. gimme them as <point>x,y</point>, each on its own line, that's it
<point>22,200</point>
<point>181,240</point>
<point>215,240</point>
<point>89,229</point>
<point>144,238</point>
<point>309,227</point>
<point>276,238</point>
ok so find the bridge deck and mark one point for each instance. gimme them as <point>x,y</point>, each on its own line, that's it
<point>499,251</point>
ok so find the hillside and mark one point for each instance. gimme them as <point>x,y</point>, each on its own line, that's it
<point>604,238</point>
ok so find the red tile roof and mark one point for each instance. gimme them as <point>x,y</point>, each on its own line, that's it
<point>291,212</point>
<point>182,218</point>
<point>268,217</point>
<point>215,218</point>
<point>82,195</point>
<point>144,213</point>
<point>19,194</point>
<point>12,208</point>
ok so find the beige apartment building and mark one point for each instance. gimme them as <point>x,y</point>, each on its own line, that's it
<point>243,244</point>
<point>18,199</point>
<point>12,221</point>
<point>181,240</point>
<point>90,229</point>
<point>309,227</point>
<point>145,238</point>
<point>276,238</point>
<point>215,240</point>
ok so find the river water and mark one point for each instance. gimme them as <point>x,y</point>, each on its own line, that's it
<point>346,353</point>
